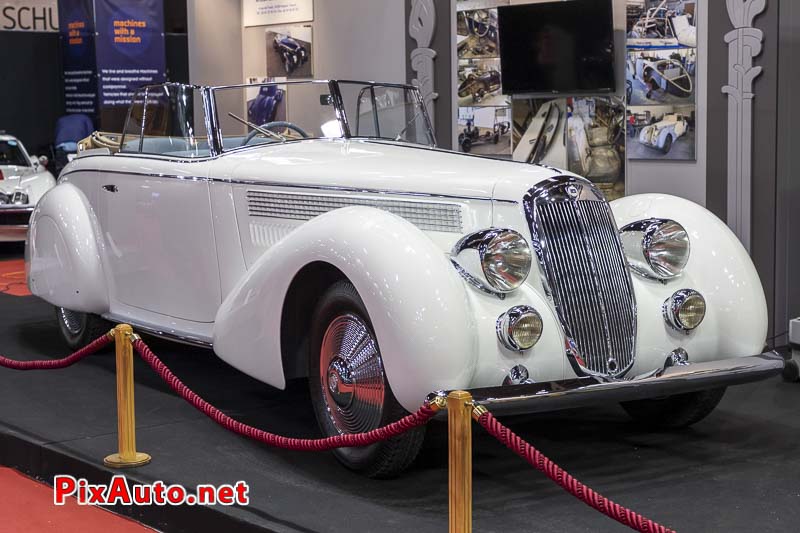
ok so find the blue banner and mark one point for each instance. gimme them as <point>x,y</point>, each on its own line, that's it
<point>80,71</point>
<point>130,52</point>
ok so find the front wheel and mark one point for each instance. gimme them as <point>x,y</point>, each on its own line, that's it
<point>677,411</point>
<point>348,385</point>
<point>667,144</point>
<point>79,329</point>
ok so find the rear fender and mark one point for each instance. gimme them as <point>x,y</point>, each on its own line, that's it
<point>416,300</point>
<point>62,258</point>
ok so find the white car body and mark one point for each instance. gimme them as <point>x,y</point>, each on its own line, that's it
<point>671,126</point>
<point>185,248</point>
<point>21,187</point>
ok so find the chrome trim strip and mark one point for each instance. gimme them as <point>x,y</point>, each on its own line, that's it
<point>158,332</point>
<point>475,282</point>
<point>586,391</point>
<point>14,210</point>
<point>285,185</point>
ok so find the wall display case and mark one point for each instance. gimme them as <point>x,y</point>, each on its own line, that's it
<point>484,122</point>
<point>660,79</point>
<point>479,83</point>
<point>595,142</point>
<point>485,131</point>
<point>477,33</point>
<point>289,51</point>
<point>540,131</point>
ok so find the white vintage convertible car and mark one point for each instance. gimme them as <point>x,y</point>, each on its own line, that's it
<point>23,180</point>
<point>341,245</point>
<point>663,134</point>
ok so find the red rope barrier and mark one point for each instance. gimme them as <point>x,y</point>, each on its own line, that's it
<point>422,416</point>
<point>52,364</point>
<point>539,461</point>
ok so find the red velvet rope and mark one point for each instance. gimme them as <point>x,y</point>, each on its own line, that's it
<point>588,496</point>
<point>422,416</point>
<point>52,364</point>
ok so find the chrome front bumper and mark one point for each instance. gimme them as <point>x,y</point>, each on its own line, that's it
<point>14,223</point>
<point>581,392</point>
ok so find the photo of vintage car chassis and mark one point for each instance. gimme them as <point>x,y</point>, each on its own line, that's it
<point>290,249</point>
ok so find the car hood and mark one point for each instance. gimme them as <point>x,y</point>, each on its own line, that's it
<point>14,177</point>
<point>385,166</point>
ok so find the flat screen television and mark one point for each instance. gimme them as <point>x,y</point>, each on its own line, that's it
<point>563,47</point>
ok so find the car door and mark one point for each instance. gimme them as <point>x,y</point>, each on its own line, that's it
<point>156,218</point>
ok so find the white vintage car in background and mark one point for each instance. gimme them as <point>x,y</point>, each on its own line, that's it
<point>23,180</point>
<point>338,243</point>
<point>663,134</point>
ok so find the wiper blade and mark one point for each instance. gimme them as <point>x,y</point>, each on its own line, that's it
<point>259,129</point>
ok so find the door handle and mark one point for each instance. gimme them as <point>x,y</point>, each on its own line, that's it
<point>110,188</point>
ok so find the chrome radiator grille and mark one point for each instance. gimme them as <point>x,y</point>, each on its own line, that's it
<point>432,216</point>
<point>586,273</point>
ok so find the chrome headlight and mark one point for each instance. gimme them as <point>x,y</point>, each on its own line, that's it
<point>685,310</point>
<point>495,260</point>
<point>656,248</point>
<point>519,328</point>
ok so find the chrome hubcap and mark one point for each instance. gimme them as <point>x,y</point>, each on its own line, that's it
<point>72,320</point>
<point>351,375</point>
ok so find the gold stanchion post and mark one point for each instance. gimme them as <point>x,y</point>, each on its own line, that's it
<point>459,422</point>
<point>127,457</point>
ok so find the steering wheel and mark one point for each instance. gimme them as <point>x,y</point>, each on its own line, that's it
<point>275,124</point>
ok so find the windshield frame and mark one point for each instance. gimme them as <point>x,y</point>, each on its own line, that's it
<point>215,140</point>
<point>418,100</point>
<point>214,131</point>
<point>21,147</point>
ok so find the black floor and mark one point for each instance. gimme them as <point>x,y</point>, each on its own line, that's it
<point>737,471</point>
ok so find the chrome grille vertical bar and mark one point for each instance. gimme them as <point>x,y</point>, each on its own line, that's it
<point>586,274</point>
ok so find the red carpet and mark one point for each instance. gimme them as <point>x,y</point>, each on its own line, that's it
<point>12,278</point>
<point>27,506</point>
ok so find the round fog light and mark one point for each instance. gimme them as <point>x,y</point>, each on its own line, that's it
<point>685,310</point>
<point>519,328</point>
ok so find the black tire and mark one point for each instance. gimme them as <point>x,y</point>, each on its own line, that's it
<point>791,372</point>
<point>79,329</point>
<point>677,411</point>
<point>380,460</point>
<point>466,145</point>
<point>667,144</point>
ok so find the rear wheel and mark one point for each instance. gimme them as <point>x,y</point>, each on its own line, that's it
<point>79,329</point>
<point>348,385</point>
<point>677,411</point>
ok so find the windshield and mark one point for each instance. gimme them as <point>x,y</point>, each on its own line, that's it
<point>11,154</point>
<point>279,112</point>
<point>381,111</point>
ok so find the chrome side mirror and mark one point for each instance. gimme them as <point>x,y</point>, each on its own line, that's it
<point>43,160</point>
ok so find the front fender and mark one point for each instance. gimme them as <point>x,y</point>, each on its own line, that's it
<point>416,301</point>
<point>62,258</point>
<point>719,268</point>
